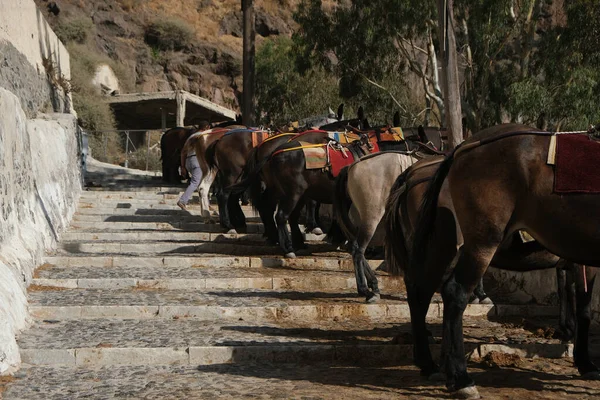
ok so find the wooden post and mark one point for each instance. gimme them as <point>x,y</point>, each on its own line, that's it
<point>450,77</point>
<point>180,115</point>
<point>248,62</point>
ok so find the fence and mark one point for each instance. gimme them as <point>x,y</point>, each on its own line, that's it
<point>131,148</point>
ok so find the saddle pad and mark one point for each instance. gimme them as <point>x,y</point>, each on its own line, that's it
<point>577,161</point>
<point>258,137</point>
<point>392,135</point>
<point>339,159</point>
<point>344,137</point>
<point>315,157</point>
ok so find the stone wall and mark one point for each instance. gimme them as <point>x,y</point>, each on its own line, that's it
<point>39,160</point>
<point>28,49</point>
<point>537,287</point>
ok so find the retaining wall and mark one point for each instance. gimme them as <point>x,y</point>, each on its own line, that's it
<point>39,160</point>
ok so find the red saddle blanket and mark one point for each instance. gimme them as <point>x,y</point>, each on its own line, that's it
<point>576,164</point>
<point>339,159</point>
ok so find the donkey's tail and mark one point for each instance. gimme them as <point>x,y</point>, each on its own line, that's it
<point>250,178</point>
<point>341,206</point>
<point>427,214</point>
<point>162,146</point>
<point>396,254</point>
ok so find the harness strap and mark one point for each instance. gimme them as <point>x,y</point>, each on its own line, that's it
<point>310,146</point>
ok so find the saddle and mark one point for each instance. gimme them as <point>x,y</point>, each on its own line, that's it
<point>575,158</point>
<point>339,156</point>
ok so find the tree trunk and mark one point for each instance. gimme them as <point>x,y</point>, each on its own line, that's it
<point>248,63</point>
<point>451,82</point>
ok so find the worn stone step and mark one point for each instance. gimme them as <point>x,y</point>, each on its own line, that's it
<point>199,278</point>
<point>141,217</point>
<point>171,211</point>
<point>340,262</point>
<point>132,235</point>
<point>254,305</point>
<point>153,226</point>
<point>250,305</point>
<point>534,379</point>
<point>187,341</point>
<point>242,248</point>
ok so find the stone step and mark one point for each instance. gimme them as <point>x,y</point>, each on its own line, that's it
<point>132,235</point>
<point>191,278</point>
<point>342,262</point>
<point>250,305</point>
<point>98,197</point>
<point>124,186</point>
<point>162,211</point>
<point>153,226</point>
<point>350,379</point>
<point>242,248</point>
<point>149,218</point>
<point>187,341</point>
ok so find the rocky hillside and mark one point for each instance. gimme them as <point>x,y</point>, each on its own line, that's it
<point>158,45</point>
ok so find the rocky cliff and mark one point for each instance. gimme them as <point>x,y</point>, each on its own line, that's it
<point>194,45</point>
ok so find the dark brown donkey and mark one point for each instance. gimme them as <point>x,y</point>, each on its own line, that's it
<point>171,143</point>
<point>494,184</point>
<point>230,155</point>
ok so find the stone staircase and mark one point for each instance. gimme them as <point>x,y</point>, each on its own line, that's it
<point>144,300</point>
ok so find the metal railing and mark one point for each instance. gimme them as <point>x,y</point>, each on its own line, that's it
<point>104,136</point>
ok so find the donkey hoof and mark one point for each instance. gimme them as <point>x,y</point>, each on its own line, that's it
<point>474,300</point>
<point>591,376</point>
<point>291,254</point>
<point>469,392</point>
<point>232,232</point>
<point>373,298</point>
<point>486,300</point>
<point>317,231</point>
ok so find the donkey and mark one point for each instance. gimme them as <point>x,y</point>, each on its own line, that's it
<point>502,165</point>
<point>200,141</point>
<point>171,143</point>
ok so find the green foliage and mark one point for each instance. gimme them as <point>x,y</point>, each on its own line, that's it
<point>137,159</point>
<point>286,94</point>
<point>93,112</point>
<point>77,30</point>
<point>282,93</point>
<point>169,34</point>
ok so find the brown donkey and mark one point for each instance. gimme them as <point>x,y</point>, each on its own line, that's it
<point>494,184</point>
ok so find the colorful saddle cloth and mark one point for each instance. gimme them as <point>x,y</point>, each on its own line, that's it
<point>340,157</point>
<point>577,158</point>
<point>392,135</point>
<point>315,155</point>
<point>344,137</point>
<point>258,137</point>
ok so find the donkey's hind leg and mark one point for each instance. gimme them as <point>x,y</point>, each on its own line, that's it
<point>285,208</point>
<point>297,236</point>
<point>584,283</point>
<point>419,299</point>
<point>311,218</point>
<point>366,280</point>
<point>266,208</point>
<point>479,296</point>
<point>471,264</point>
<point>203,190</point>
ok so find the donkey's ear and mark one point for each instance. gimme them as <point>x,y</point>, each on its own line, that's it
<point>361,113</point>
<point>396,119</point>
<point>340,112</point>
<point>365,125</point>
